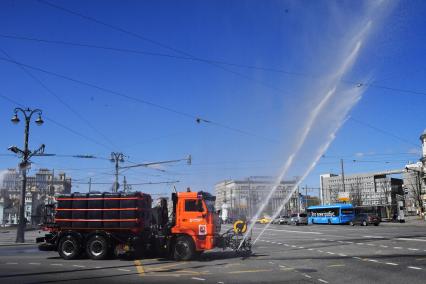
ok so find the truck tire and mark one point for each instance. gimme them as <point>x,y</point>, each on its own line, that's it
<point>97,247</point>
<point>69,247</point>
<point>184,248</point>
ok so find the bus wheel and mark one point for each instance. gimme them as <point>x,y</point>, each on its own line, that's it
<point>329,221</point>
<point>69,248</point>
<point>97,247</point>
<point>364,223</point>
<point>184,248</point>
<point>351,223</point>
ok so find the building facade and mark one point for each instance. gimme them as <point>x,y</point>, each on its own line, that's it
<point>41,188</point>
<point>367,189</point>
<point>243,198</point>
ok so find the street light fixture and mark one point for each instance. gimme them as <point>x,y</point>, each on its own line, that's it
<point>26,154</point>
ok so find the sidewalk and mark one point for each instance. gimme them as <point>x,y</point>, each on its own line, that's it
<point>8,236</point>
<point>409,221</point>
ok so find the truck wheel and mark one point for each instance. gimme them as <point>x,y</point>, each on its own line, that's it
<point>184,248</point>
<point>97,247</point>
<point>69,248</point>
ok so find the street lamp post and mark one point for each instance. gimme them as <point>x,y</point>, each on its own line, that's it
<point>26,154</point>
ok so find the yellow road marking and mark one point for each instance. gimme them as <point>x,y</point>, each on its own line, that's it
<point>139,267</point>
<point>249,271</point>
<point>163,267</point>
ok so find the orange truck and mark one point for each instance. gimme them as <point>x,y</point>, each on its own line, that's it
<point>105,224</point>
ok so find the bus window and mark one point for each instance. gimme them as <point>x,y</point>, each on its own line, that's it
<point>347,211</point>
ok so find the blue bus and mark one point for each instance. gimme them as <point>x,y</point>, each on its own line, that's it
<point>331,214</point>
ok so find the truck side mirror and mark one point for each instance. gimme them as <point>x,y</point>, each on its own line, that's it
<point>200,206</point>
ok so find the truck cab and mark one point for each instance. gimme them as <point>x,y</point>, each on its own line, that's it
<point>195,221</point>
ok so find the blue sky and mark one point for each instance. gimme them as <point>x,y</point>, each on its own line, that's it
<point>253,112</point>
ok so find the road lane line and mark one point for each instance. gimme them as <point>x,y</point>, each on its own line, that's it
<point>391,263</point>
<point>34,263</point>
<point>409,239</point>
<point>310,249</point>
<point>412,249</point>
<point>397,247</point>
<point>371,245</point>
<point>249,271</point>
<point>320,251</point>
<point>301,247</point>
<point>199,279</point>
<point>383,246</point>
<point>56,264</point>
<point>415,267</point>
<point>11,263</point>
<point>80,266</point>
<point>307,276</point>
<point>139,267</point>
<point>330,252</point>
<point>126,270</point>
<point>321,280</point>
<point>341,254</point>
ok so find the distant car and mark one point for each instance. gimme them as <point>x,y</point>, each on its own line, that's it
<point>365,219</point>
<point>263,220</point>
<point>281,220</point>
<point>299,219</point>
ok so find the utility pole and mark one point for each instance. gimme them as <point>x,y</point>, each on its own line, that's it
<point>343,174</point>
<point>124,184</point>
<point>306,197</point>
<point>116,158</point>
<point>26,154</point>
<point>298,200</point>
<point>90,184</point>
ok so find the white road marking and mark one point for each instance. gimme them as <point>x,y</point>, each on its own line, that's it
<point>371,245</point>
<point>415,267</point>
<point>307,276</point>
<point>81,266</point>
<point>348,242</point>
<point>293,246</point>
<point>371,260</point>
<point>220,282</point>
<point>286,245</point>
<point>56,264</point>
<point>121,269</point>
<point>383,246</point>
<point>374,237</point>
<point>279,243</point>
<point>310,249</point>
<point>11,263</point>
<point>412,249</point>
<point>34,263</point>
<point>409,239</point>
<point>391,263</point>
<point>197,278</point>
<point>330,252</point>
<point>340,241</point>
<point>271,262</point>
<point>321,280</point>
<point>98,267</point>
<point>341,254</point>
<point>397,247</point>
<point>282,266</point>
<point>359,243</point>
<point>356,257</point>
<point>301,247</point>
<point>320,251</point>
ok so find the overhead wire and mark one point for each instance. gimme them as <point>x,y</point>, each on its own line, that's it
<point>57,123</point>
<point>63,102</point>
<point>198,119</point>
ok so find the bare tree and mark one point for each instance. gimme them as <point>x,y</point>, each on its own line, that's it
<point>415,191</point>
<point>355,193</point>
<point>386,191</point>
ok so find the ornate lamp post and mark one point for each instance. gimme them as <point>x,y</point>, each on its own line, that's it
<point>26,154</point>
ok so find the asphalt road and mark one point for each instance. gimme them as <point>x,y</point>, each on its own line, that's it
<point>390,253</point>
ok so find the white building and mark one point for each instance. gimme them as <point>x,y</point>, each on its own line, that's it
<point>244,197</point>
